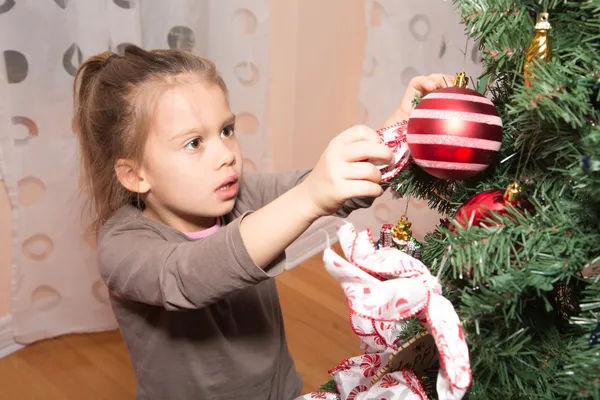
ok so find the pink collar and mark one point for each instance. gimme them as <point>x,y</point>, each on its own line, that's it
<point>206,232</point>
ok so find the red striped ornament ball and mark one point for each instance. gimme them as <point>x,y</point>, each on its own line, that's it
<point>454,133</point>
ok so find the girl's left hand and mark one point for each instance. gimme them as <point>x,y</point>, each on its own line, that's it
<point>420,85</point>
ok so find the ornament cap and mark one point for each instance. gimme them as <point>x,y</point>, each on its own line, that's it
<point>543,22</point>
<point>513,192</point>
<point>461,80</point>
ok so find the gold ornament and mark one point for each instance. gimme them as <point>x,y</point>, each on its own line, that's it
<point>513,192</point>
<point>401,231</point>
<point>461,80</point>
<point>540,47</point>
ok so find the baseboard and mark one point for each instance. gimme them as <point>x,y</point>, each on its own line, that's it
<point>7,340</point>
<point>317,238</point>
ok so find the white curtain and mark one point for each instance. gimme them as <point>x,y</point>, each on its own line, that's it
<point>404,39</point>
<point>55,287</point>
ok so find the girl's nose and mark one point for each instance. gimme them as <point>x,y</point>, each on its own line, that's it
<point>226,156</point>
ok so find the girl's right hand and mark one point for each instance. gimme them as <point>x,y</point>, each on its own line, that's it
<point>343,172</point>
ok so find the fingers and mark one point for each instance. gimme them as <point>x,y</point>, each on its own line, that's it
<point>362,171</point>
<point>430,83</point>
<point>422,84</point>
<point>442,80</point>
<point>362,188</point>
<point>356,134</point>
<point>360,151</point>
<point>419,85</point>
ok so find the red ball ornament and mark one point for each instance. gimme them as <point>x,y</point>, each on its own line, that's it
<point>478,208</point>
<point>454,133</point>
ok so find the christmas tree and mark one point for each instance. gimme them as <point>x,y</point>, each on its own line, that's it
<point>519,248</point>
<point>522,279</point>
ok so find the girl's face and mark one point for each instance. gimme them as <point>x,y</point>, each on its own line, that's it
<point>192,159</point>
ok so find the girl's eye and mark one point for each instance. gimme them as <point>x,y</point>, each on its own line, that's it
<point>193,144</point>
<point>228,132</point>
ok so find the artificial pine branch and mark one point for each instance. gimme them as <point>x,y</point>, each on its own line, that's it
<point>517,284</point>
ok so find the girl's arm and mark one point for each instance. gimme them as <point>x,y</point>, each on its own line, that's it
<point>340,175</point>
<point>274,185</point>
<point>139,264</point>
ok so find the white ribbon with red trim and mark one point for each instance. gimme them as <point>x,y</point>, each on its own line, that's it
<point>377,310</point>
<point>394,137</point>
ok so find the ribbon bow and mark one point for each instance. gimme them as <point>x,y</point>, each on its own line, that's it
<point>383,288</point>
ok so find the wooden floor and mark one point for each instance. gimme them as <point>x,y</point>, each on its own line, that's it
<point>96,366</point>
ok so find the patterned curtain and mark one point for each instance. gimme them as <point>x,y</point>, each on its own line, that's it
<point>55,287</point>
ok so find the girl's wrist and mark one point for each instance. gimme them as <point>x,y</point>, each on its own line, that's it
<point>304,203</point>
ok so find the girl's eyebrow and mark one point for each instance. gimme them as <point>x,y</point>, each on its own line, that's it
<point>184,133</point>
<point>230,120</point>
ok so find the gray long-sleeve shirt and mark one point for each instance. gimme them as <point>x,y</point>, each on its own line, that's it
<point>200,319</point>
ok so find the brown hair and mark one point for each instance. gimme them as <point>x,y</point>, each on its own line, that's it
<point>112,110</point>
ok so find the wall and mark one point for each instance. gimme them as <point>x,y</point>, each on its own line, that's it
<point>317,50</point>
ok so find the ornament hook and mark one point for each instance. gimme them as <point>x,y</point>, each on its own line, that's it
<point>543,22</point>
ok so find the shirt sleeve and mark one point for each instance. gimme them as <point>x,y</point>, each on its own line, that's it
<point>139,264</point>
<point>273,185</point>
<point>264,187</point>
<point>354,204</point>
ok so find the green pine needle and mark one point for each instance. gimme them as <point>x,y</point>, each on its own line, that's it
<point>330,387</point>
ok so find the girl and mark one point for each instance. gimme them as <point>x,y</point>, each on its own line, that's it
<point>188,246</point>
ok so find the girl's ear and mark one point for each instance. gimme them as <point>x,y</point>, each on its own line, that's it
<point>129,176</point>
